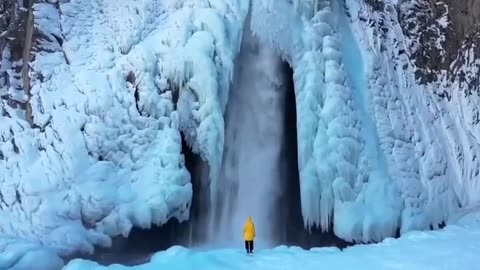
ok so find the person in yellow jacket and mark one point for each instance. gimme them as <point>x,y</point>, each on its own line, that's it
<point>249,234</point>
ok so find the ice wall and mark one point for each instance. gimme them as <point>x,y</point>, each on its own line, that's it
<point>112,86</point>
<point>340,172</point>
<point>429,142</point>
<point>377,150</point>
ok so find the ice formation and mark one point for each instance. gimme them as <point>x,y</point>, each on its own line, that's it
<point>377,150</point>
<point>254,165</point>
<point>113,84</point>
<point>342,173</point>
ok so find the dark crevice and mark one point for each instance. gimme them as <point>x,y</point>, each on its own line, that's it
<point>131,78</point>
<point>58,39</point>
<point>397,232</point>
<point>139,246</point>
<point>18,197</point>
<point>175,92</point>
<point>15,147</point>
<point>199,172</point>
<point>290,210</point>
<point>291,218</point>
<point>133,82</point>
<point>137,99</point>
<point>438,226</point>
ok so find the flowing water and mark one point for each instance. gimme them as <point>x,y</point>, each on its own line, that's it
<point>252,169</point>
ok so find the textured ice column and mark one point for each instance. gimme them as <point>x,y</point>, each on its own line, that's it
<point>341,172</point>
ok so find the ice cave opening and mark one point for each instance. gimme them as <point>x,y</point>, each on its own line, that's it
<point>290,229</point>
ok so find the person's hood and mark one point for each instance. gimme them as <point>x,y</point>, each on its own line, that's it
<point>249,219</point>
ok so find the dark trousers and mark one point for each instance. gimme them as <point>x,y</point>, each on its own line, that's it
<point>249,246</point>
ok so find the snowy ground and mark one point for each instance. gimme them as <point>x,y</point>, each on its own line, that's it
<point>455,247</point>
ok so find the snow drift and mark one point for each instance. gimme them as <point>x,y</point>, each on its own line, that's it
<point>454,247</point>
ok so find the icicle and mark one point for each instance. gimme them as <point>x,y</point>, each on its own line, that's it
<point>295,5</point>
<point>306,8</point>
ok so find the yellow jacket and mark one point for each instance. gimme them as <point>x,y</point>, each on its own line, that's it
<point>249,230</point>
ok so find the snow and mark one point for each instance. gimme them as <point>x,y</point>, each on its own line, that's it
<point>22,255</point>
<point>104,153</point>
<point>455,247</point>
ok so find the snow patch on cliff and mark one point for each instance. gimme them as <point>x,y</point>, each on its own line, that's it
<point>428,140</point>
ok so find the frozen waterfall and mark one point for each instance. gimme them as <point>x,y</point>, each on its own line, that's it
<point>251,174</point>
